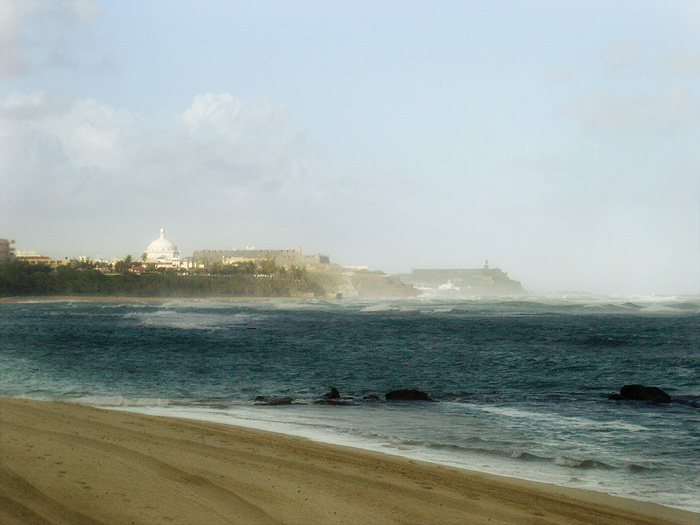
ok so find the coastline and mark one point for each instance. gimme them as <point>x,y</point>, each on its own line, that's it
<point>78,464</point>
<point>129,298</point>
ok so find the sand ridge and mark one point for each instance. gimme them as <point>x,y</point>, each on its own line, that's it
<point>63,463</point>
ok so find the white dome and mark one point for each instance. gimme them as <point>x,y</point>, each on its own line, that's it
<point>162,252</point>
<point>161,245</point>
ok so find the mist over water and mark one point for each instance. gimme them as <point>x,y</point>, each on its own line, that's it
<point>520,385</point>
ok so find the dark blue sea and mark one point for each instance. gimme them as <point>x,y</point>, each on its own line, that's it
<point>520,387</point>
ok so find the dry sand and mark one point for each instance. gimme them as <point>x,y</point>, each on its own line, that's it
<point>63,463</point>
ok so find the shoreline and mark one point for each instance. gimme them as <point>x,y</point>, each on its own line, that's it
<point>128,298</point>
<point>79,464</point>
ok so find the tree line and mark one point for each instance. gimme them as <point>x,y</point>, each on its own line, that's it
<point>264,279</point>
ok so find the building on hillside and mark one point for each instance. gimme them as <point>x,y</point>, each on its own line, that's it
<point>287,258</point>
<point>33,259</point>
<point>7,250</point>
<point>163,253</point>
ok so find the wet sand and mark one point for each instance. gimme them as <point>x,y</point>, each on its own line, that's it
<point>62,463</point>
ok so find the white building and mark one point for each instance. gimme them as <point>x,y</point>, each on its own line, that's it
<point>162,252</point>
<point>7,250</point>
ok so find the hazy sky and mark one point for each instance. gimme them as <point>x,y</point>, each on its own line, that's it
<point>560,140</point>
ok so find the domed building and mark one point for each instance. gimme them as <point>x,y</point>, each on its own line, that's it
<point>162,252</point>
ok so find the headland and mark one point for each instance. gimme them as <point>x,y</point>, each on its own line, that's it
<point>463,281</point>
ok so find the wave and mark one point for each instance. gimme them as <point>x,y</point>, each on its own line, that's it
<point>529,457</point>
<point>505,451</point>
<point>526,456</point>
<point>191,320</point>
<point>100,401</point>
<point>382,307</point>
<point>585,464</point>
<point>692,401</point>
<point>567,421</point>
<point>634,467</point>
<point>604,341</point>
<point>535,305</point>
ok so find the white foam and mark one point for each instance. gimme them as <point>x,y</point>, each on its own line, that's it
<point>571,422</point>
<point>188,320</point>
<point>382,307</point>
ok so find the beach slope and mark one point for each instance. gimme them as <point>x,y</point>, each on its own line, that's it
<point>62,463</point>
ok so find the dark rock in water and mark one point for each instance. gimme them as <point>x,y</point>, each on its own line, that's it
<point>333,394</point>
<point>333,398</point>
<point>642,393</point>
<point>371,397</point>
<point>274,401</point>
<point>406,394</point>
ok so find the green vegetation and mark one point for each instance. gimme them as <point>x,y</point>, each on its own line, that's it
<point>361,283</point>
<point>246,279</point>
<point>329,280</point>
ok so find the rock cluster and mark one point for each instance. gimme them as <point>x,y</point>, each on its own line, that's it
<point>652,394</point>
<point>274,401</point>
<point>406,394</point>
<point>333,397</point>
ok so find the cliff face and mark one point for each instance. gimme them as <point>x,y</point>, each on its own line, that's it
<point>479,281</point>
<point>348,284</point>
<point>381,285</point>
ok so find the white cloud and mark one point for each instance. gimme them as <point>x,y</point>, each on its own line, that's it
<point>91,135</point>
<point>681,62</point>
<point>250,134</point>
<point>80,10</point>
<point>25,106</point>
<point>37,33</point>
<point>672,110</point>
<point>78,154</point>
<point>680,187</point>
<point>621,55</point>
<point>13,60</point>
<point>546,165</point>
<point>560,75</point>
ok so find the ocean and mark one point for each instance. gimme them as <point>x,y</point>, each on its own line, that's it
<point>519,386</point>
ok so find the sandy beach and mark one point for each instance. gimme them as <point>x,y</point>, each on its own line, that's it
<point>65,463</point>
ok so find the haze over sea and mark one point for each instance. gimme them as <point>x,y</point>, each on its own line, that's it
<point>520,385</point>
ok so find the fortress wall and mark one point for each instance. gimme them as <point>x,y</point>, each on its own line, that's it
<point>282,257</point>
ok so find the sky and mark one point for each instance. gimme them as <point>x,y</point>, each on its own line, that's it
<point>559,140</point>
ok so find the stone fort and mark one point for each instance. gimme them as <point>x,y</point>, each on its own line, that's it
<point>292,257</point>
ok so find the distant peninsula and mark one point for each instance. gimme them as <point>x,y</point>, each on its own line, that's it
<point>470,282</point>
<point>161,272</point>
